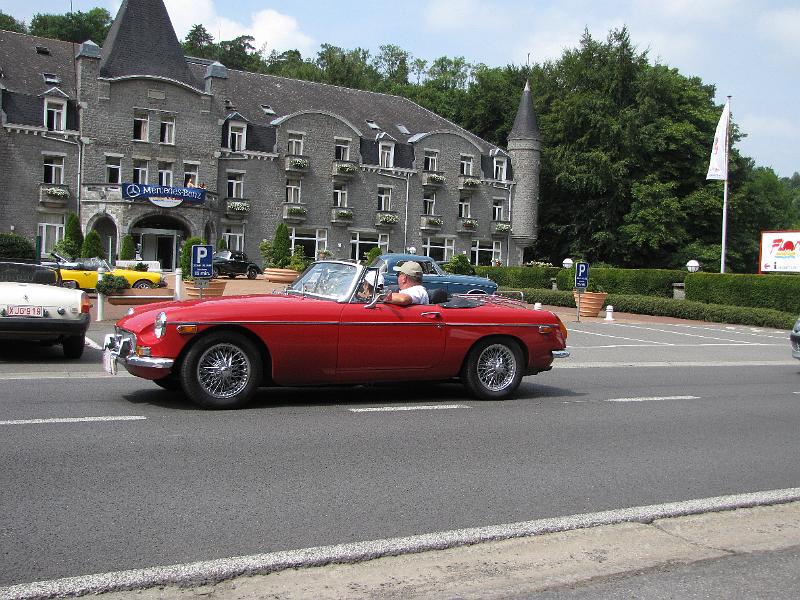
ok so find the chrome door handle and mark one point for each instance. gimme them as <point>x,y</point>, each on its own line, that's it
<point>432,315</point>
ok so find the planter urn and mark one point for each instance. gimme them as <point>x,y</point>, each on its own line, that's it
<point>215,287</point>
<point>138,296</point>
<point>276,275</point>
<point>591,303</point>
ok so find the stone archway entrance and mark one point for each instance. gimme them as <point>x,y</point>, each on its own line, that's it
<point>107,230</point>
<point>159,237</point>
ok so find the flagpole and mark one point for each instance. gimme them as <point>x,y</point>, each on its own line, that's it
<point>725,191</point>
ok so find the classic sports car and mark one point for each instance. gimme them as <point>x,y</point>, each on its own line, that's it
<point>83,274</point>
<point>433,276</point>
<point>34,307</point>
<point>330,327</point>
<point>233,263</point>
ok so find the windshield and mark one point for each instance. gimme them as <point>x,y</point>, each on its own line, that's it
<point>328,280</point>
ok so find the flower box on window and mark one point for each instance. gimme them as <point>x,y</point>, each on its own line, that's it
<point>54,195</point>
<point>467,183</point>
<point>297,164</point>
<point>341,216</point>
<point>344,170</point>
<point>237,209</point>
<point>294,213</point>
<point>502,228</point>
<point>466,225</point>
<point>386,219</point>
<point>430,223</point>
<point>433,179</point>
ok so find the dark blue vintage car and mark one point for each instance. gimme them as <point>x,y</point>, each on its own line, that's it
<point>433,276</point>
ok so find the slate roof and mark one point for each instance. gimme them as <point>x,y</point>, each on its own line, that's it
<point>142,42</point>
<point>526,126</point>
<point>22,66</point>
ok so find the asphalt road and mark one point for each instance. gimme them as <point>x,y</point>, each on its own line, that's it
<point>640,414</point>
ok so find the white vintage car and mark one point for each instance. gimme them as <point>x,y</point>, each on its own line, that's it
<point>33,306</point>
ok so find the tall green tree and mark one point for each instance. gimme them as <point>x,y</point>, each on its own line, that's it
<point>9,23</point>
<point>73,26</point>
<point>198,42</point>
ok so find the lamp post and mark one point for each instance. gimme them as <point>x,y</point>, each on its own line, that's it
<point>567,263</point>
<point>692,266</point>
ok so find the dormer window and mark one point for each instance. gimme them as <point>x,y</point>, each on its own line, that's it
<point>431,161</point>
<point>55,113</point>
<point>373,125</point>
<point>499,168</point>
<point>386,155</point>
<point>43,50</point>
<point>51,78</point>
<point>237,136</point>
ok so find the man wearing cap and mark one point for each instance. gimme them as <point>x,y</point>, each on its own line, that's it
<point>409,280</point>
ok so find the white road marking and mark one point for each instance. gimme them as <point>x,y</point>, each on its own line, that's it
<point>701,345</point>
<point>399,408</point>
<point>698,335</point>
<point>63,375</point>
<point>652,398</point>
<point>72,420</point>
<point>92,344</point>
<point>619,337</point>
<point>573,364</point>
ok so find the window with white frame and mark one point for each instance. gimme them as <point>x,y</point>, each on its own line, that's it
<point>55,114</point>
<point>165,174</point>
<point>384,198</point>
<point>341,149</point>
<point>465,166</point>
<point>499,168</point>
<point>191,172</point>
<point>429,203</point>
<point>51,229</point>
<point>234,237</point>
<point>464,208</point>
<point>54,169</point>
<point>235,184</point>
<point>113,169</point>
<point>498,209</point>
<point>139,171</point>
<point>237,136</point>
<point>485,252</point>
<point>362,243</point>
<point>386,155</point>
<point>295,145</point>
<point>167,134</point>
<point>438,248</point>
<point>339,194</point>
<point>293,191</point>
<point>141,127</point>
<point>431,161</point>
<point>313,241</point>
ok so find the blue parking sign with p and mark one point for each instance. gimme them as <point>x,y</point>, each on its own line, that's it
<point>581,275</point>
<point>202,260</point>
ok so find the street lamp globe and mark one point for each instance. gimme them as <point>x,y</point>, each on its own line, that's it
<point>411,250</point>
<point>567,264</point>
<point>693,266</point>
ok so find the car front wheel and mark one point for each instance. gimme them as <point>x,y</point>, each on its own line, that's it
<point>142,284</point>
<point>222,370</point>
<point>494,369</point>
<point>252,273</point>
<point>73,346</point>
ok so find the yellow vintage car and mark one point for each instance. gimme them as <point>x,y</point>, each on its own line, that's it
<point>83,274</point>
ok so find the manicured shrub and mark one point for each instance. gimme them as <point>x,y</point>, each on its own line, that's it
<point>778,292</point>
<point>281,247</point>
<point>110,285</point>
<point>186,256</point>
<point>13,245</point>
<point>92,245</point>
<point>459,265</point>
<point>127,249</point>
<point>222,244</point>
<point>644,282</point>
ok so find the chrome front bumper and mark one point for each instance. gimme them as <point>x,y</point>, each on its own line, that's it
<point>120,348</point>
<point>560,353</point>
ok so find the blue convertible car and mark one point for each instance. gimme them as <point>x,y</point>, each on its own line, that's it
<point>433,276</point>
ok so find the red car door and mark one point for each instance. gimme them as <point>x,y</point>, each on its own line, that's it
<point>388,340</point>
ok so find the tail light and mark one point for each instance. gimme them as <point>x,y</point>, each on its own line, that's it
<point>85,304</point>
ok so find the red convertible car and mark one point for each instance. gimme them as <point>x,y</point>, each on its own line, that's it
<point>331,327</point>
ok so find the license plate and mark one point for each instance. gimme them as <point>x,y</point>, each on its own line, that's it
<point>24,310</point>
<point>109,362</point>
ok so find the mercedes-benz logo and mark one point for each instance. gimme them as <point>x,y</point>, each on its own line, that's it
<point>132,190</point>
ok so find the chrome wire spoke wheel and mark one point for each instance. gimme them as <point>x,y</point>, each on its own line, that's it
<point>223,370</point>
<point>496,367</point>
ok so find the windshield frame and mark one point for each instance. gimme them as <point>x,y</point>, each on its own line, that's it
<point>356,274</point>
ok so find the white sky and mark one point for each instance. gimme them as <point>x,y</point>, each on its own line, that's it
<point>746,48</point>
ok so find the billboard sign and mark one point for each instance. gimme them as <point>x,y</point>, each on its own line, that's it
<point>779,252</point>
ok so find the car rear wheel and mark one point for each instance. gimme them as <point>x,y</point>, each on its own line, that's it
<point>232,275</point>
<point>494,369</point>
<point>215,272</point>
<point>70,284</point>
<point>252,273</point>
<point>222,370</point>
<point>142,284</point>
<point>73,346</point>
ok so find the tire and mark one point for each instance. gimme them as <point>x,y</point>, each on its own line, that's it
<point>170,383</point>
<point>73,346</point>
<point>232,275</point>
<point>493,370</point>
<point>252,273</point>
<point>215,272</point>
<point>142,284</point>
<point>222,370</point>
<point>70,284</point>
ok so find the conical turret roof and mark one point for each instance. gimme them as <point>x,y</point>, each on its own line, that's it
<point>526,126</point>
<point>142,42</point>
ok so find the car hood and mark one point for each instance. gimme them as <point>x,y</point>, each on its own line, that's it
<point>38,294</point>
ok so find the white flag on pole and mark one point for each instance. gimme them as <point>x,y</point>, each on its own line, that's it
<point>718,165</point>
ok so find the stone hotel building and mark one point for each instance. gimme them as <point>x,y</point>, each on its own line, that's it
<point>346,170</point>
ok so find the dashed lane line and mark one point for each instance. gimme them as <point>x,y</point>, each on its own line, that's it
<point>651,398</point>
<point>73,420</point>
<point>405,408</point>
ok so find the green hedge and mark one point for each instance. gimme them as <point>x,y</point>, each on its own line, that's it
<point>773,291</point>
<point>644,282</point>
<point>519,277</point>
<point>681,309</point>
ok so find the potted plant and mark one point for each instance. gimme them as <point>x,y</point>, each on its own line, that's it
<point>591,301</point>
<point>277,256</point>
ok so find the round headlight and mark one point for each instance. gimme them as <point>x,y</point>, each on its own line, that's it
<point>161,324</point>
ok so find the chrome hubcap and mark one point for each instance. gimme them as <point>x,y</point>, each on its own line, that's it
<point>496,367</point>
<point>223,370</point>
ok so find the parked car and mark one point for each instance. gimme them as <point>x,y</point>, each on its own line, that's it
<point>323,330</point>
<point>83,274</point>
<point>433,276</point>
<point>233,263</point>
<point>794,338</point>
<point>33,306</point>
